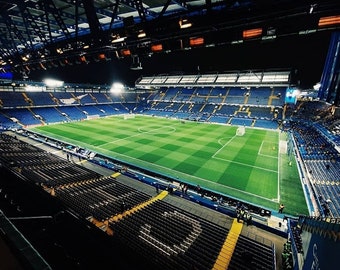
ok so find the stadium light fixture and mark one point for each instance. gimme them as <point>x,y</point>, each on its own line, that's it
<point>117,88</point>
<point>329,21</point>
<point>196,41</point>
<point>53,83</point>
<point>184,23</point>
<point>252,33</point>
<point>317,86</point>
<point>141,34</point>
<point>157,47</point>
<point>118,38</point>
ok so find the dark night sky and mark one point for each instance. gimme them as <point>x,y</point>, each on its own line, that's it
<point>304,54</point>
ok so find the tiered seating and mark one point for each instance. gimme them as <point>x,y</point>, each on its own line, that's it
<point>259,96</point>
<point>129,97</point>
<point>219,119</point>
<point>197,108</point>
<point>279,93</point>
<point>100,98</point>
<point>249,254</point>
<point>61,173</point>
<point>86,100</point>
<point>11,148</point>
<point>72,112</point>
<point>266,124</point>
<point>40,166</point>
<point>321,160</point>
<point>100,198</point>
<point>24,116</point>
<point>241,122</point>
<point>217,95</point>
<point>312,145</point>
<point>325,227</point>
<point>328,198</point>
<point>49,114</point>
<point>114,98</point>
<point>331,131</point>
<point>208,108</point>
<point>6,123</point>
<point>236,96</point>
<point>204,91</point>
<point>167,94</point>
<point>167,236</point>
<point>261,112</point>
<point>324,171</point>
<point>65,98</point>
<point>182,95</point>
<point>13,99</point>
<point>214,105</point>
<point>111,109</point>
<point>228,110</point>
<point>31,157</point>
<point>173,237</point>
<point>92,110</point>
<point>41,98</point>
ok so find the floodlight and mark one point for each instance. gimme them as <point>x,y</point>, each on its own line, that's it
<point>117,88</point>
<point>141,34</point>
<point>53,83</point>
<point>317,86</point>
<point>184,23</point>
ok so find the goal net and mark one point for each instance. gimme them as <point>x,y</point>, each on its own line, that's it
<point>241,130</point>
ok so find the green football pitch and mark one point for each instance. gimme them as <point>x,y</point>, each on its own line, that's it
<point>253,167</point>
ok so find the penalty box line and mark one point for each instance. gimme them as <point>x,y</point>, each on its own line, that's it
<point>236,162</point>
<point>214,156</point>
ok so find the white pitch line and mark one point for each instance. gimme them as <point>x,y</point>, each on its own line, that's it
<point>231,161</point>
<point>135,135</point>
<point>260,150</point>
<point>247,165</point>
<point>278,171</point>
<point>184,175</point>
<point>213,156</point>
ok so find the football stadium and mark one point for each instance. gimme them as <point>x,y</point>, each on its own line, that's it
<point>218,149</point>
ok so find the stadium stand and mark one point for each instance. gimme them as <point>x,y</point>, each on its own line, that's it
<point>119,210</point>
<point>165,235</point>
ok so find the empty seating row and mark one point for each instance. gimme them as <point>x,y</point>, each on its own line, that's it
<point>176,238</point>
<point>100,198</point>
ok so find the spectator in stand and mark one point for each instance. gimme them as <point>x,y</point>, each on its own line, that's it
<point>281,207</point>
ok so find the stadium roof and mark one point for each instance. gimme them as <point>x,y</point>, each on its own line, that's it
<point>38,34</point>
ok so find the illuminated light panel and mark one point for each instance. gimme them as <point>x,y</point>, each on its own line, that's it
<point>53,83</point>
<point>117,88</point>
<point>125,52</point>
<point>102,56</point>
<point>251,33</point>
<point>157,47</point>
<point>328,21</point>
<point>82,58</point>
<point>141,34</point>
<point>196,41</point>
<point>184,24</point>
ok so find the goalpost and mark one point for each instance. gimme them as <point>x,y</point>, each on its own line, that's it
<point>241,130</point>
